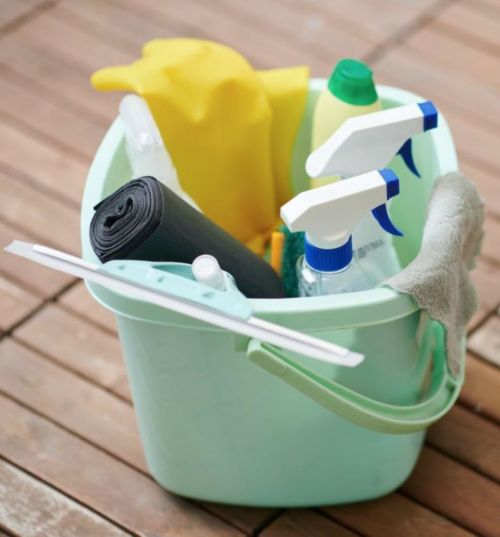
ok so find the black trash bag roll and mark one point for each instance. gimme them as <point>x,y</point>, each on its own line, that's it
<point>145,220</point>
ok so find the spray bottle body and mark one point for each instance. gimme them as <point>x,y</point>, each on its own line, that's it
<point>374,252</point>
<point>346,280</point>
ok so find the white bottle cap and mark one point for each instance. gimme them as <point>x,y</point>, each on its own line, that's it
<point>206,270</point>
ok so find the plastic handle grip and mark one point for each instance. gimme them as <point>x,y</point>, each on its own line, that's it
<point>442,393</point>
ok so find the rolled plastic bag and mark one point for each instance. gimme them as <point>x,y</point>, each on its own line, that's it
<point>145,220</point>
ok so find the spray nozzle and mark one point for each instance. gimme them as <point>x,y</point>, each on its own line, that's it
<point>380,213</point>
<point>370,141</point>
<point>329,214</point>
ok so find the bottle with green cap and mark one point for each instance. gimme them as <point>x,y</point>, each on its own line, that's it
<point>350,92</point>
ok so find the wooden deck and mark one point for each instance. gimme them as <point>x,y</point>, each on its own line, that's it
<point>70,458</point>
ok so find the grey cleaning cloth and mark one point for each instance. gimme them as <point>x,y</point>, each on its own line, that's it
<point>438,278</point>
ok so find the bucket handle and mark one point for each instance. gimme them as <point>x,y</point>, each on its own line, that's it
<point>442,393</point>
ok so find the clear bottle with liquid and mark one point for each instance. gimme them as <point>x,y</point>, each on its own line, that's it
<point>347,279</point>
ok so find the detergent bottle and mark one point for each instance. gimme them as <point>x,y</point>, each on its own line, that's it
<point>366,143</point>
<point>328,215</point>
<point>350,92</point>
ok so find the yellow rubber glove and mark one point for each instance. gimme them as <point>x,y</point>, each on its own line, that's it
<point>226,127</point>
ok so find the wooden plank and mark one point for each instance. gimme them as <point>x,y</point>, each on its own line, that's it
<point>456,492</point>
<point>477,27</point>
<point>15,304</point>
<point>69,42</point>
<point>452,53</point>
<point>46,71</point>
<point>36,279</point>
<point>99,481</point>
<point>75,344</point>
<point>49,119</point>
<point>485,341</point>
<point>305,523</point>
<point>33,509</point>
<point>11,11</point>
<point>211,22</point>
<point>79,301</point>
<point>48,220</point>
<point>489,247</point>
<point>488,6</point>
<point>309,28</point>
<point>42,164</point>
<point>474,141</point>
<point>247,519</point>
<point>396,516</point>
<point>113,24</point>
<point>487,184</point>
<point>470,439</point>
<point>487,283</point>
<point>385,17</point>
<point>91,413</point>
<point>81,407</point>
<point>481,391</point>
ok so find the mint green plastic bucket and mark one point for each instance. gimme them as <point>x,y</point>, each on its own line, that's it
<point>229,420</point>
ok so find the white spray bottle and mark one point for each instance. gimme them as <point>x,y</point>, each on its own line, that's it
<point>328,216</point>
<point>145,148</point>
<point>366,143</point>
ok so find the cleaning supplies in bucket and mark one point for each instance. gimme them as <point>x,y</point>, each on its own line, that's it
<point>365,143</point>
<point>328,216</point>
<point>146,151</point>
<point>350,91</point>
<point>229,129</point>
<point>172,286</point>
<point>145,220</point>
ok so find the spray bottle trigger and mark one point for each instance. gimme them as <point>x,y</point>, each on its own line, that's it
<point>407,155</point>
<point>382,217</point>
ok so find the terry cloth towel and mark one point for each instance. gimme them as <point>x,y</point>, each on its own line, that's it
<point>438,278</point>
<point>229,128</point>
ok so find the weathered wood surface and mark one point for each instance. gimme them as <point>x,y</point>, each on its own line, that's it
<point>71,462</point>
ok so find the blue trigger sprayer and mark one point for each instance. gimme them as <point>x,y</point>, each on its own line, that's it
<point>328,216</point>
<point>369,142</point>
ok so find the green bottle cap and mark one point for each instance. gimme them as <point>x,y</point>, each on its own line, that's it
<point>352,82</point>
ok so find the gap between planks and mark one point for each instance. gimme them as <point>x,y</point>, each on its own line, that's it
<point>47,504</point>
<point>400,36</point>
